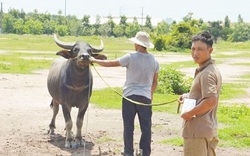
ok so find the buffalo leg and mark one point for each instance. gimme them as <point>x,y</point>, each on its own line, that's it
<point>55,107</point>
<point>68,126</point>
<point>79,123</point>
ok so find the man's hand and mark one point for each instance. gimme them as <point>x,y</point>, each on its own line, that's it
<point>92,59</point>
<point>187,116</point>
<point>182,97</point>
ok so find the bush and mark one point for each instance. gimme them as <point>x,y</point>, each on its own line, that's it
<point>160,43</point>
<point>172,81</point>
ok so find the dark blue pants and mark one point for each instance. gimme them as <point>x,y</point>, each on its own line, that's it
<point>129,110</point>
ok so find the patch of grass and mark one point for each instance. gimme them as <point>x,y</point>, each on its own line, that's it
<point>234,54</point>
<point>233,90</point>
<point>232,46</point>
<point>179,65</point>
<point>177,141</point>
<point>242,64</point>
<point>162,98</point>
<point>11,42</point>
<point>104,139</point>
<point>245,76</point>
<point>236,132</point>
<point>13,63</point>
<point>108,99</point>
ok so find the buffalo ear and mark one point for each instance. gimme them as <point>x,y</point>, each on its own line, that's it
<point>64,53</point>
<point>99,56</point>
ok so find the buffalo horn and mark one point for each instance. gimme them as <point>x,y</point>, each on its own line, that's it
<point>65,45</point>
<point>98,49</point>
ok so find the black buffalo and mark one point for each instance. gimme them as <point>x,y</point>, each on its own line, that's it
<point>70,84</point>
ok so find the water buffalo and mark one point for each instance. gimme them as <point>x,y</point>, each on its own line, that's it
<point>70,84</point>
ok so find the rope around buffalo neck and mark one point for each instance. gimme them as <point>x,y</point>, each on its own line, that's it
<point>135,102</point>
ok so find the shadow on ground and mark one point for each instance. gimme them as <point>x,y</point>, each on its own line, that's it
<point>58,140</point>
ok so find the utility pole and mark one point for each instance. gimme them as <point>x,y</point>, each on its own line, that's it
<point>1,16</point>
<point>142,16</point>
<point>65,6</point>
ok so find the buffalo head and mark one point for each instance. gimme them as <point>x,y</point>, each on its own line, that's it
<point>79,51</point>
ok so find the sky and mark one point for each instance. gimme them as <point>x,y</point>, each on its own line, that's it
<point>208,10</point>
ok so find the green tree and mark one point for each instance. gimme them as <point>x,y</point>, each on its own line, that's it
<point>111,25</point>
<point>227,22</point>
<point>162,28</point>
<point>148,23</point>
<point>132,29</point>
<point>226,30</point>
<point>19,26</point>
<point>49,27</point>
<point>34,27</point>
<point>225,33</point>
<point>62,30</point>
<point>119,31</point>
<point>105,29</point>
<point>188,17</point>
<point>240,33</point>
<point>240,19</point>
<point>86,27</point>
<point>75,27</point>
<point>95,27</point>
<point>215,28</point>
<point>17,14</point>
<point>180,37</point>
<point>8,22</point>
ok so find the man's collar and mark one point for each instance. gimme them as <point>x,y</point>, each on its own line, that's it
<point>205,64</point>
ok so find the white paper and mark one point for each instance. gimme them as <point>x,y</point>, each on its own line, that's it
<point>187,105</point>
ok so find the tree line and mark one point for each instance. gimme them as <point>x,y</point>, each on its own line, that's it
<point>174,36</point>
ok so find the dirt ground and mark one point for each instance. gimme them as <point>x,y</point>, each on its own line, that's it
<point>25,116</point>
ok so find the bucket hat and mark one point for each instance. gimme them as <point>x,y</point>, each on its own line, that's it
<point>143,39</point>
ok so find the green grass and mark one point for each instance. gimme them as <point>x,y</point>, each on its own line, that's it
<point>245,76</point>
<point>235,132</point>
<point>233,90</point>
<point>176,141</point>
<point>242,64</point>
<point>14,63</point>
<point>231,46</point>
<point>179,65</point>
<point>112,100</point>
<point>104,139</point>
<point>107,98</point>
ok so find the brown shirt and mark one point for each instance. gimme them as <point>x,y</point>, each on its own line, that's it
<point>207,83</point>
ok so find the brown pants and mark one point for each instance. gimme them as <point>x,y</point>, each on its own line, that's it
<point>200,146</point>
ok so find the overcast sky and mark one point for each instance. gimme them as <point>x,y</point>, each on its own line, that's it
<point>208,10</point>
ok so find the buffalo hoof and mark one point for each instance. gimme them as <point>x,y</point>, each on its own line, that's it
<point>68,144</point>
<point>79,143</point>
<point>74,144</point>
<point>51,132</point>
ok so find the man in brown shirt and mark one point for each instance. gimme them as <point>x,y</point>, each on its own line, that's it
<point>200,123</point>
